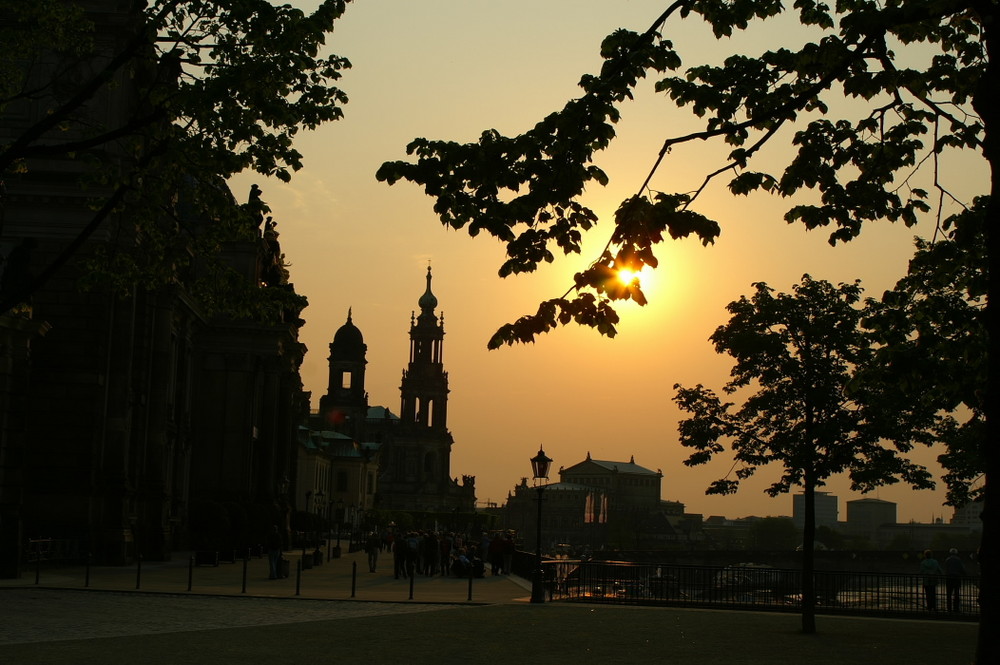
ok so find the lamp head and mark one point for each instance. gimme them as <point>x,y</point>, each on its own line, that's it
<point>540,464</point>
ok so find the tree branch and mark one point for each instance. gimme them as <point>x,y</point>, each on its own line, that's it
<point>17,149</point>
<point>23,294</point>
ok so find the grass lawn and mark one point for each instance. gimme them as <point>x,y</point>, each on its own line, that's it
<point>521,633</point>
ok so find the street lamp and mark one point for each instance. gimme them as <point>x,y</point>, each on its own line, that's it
<point>282,497</point>
<point>319,502</point>
<point>540,464</point>
<point>340,518</point>
<point>354,527</point>
<point>328,510</point>
<point>318,497</point>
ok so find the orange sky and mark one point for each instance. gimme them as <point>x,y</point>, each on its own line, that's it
<point>450,69</point>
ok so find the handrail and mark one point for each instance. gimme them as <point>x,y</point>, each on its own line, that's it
<point>761,587</point>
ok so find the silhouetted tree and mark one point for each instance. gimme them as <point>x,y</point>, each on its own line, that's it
<point>794,356</point>
<point>933,362</point>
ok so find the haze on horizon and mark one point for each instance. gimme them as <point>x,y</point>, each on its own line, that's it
<point>448,70</point>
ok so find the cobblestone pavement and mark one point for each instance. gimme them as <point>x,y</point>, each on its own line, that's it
<point>42,615</point>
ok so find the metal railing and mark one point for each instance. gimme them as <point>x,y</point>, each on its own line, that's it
<point>758,587</point>
<point>51,549</point>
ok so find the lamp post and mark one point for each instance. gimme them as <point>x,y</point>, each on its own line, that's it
<point>328,510</point>
<point>319,497</point>
<point>540,470</point>
<point>283,484</point>
<point>340,517</point>
<point>354,527</point>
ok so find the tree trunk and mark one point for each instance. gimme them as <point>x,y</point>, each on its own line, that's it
<point>808,560</point>
<point>986,101</point>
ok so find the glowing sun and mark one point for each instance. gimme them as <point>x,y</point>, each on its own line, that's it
<point>644,276</point>
<point>626,276</point>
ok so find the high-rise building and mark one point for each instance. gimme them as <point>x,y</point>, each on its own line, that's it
<point>865,516</point>
<point>969,515</point>
<point>826,510</point>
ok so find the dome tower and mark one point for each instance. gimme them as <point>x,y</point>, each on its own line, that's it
<point>345,405</point>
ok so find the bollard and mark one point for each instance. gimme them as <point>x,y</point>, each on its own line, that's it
<point>138,571</point>
<point>245,560</point>
<point>298,577</point>
<point>354,578</point>
<point>411,584</point>
<point>86,576</point>
<point>190,571</point>
<point>470,584</point>
<point>38,560</point>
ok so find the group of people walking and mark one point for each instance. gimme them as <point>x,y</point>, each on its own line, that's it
<point>953,571</point>
<point>431,553</point>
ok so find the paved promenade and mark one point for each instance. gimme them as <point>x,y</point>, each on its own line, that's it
<point>343,578</point>
<point>31,616</point>
<point>60,622</point>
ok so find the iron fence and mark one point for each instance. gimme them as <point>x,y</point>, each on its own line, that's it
<point>51,549</point>
<point>759,587</point>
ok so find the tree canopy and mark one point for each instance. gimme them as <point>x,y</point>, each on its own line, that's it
<point>794,356</point>
<point>932,361</point>
<point>796,353</point>
<point>201,90</point>
<point>525,190</point>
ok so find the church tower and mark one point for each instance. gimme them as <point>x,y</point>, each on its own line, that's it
<point>425,383</point>
<point>416,457</point>
<point>345,405</point>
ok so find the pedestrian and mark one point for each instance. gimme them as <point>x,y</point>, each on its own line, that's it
<point>430,554</point>
<point>931,572</point>
<point>373,545</point>
<point>444,554</point>
<point>461,565</point>
<point>954,571</point>
<point>508,553</point>
<point>412,552</point>
<point>399,557</point>
<point>273,552</point>
<point>494,554</point>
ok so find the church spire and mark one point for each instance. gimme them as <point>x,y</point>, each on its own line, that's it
<point>428,302</point>
<point>425,383</point>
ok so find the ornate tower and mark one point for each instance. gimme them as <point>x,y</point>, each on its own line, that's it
<point>345,405</point>
<point>416,458</point>
<point>425,383</point>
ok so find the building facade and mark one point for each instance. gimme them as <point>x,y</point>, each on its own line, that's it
<point>414,447</point>
<point>969,515</point>
<point>827,510</point>
<point>131,410</point>
<point>336,478</point>
<point>865,516</point>
<point>599,503</point>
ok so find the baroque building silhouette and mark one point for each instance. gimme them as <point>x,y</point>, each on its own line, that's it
<point>413,448</point>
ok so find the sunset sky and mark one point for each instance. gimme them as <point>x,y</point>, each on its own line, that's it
<point>448,69</point>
